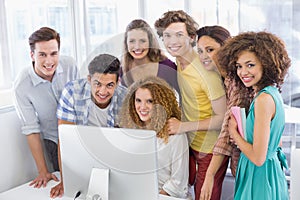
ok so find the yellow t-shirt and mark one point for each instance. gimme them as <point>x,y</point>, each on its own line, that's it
<point>198,88</point>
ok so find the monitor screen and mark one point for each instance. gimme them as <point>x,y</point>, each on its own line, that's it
<point>129,154</point>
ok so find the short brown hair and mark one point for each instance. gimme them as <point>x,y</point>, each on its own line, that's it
<point>177,16</point>
<point>43,34</point>
<point>104,64</point>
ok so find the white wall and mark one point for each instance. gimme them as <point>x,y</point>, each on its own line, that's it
<point>6,98</point>
<point>295,174</point>
<point>17,165</point>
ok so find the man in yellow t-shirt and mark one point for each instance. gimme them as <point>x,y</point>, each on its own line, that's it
<point>203,97</point>
<point>199,88</point>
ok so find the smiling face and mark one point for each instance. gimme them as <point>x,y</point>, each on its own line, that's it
<point>176,39</point>
<point>143,104</point>
<point>102,88</point>
<point>138,43</point>
<point>207,48</point>
<point>45,57</point>
<point>249,69</point>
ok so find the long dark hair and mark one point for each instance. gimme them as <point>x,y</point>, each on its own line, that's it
<point>218,33</point>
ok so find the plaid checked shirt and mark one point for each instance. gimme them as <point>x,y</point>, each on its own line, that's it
<point>76,98</point>
<point>223,145</point>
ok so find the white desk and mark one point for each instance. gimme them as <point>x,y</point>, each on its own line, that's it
<point>27,192</point>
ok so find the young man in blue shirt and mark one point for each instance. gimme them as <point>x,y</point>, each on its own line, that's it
<point>93,101</point>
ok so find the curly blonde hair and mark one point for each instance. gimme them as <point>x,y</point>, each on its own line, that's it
<point>267,47</point>
<point>165,106</point>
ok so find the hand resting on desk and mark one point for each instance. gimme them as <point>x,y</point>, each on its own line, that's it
<point>42,179</point>
<point>57,191</point>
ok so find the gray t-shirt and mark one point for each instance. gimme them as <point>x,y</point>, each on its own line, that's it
<point>97,116</point>
<point>36,99</point>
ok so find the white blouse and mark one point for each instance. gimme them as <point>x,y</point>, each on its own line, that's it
<point>173,161</point>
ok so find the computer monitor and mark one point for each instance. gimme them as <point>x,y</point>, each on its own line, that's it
<point>129,154</point>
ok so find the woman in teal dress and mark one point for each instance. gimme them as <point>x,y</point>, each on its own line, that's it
<point>258,61</point>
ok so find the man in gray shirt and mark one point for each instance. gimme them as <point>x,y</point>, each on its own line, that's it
<point>37,91</point>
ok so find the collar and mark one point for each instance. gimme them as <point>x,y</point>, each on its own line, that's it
<point>36,79</point>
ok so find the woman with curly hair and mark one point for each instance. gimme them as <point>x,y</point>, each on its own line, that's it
<point>259,62</point>
<point>142,56</point>
<point>148,105</point>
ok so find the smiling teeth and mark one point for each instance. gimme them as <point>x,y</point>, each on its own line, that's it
<point>246,79</point>
<point>101,96</point>
<point>174,48</point>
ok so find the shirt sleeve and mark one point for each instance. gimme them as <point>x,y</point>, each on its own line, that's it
<point>222,145</point>
<point>69,64</point>
<point>177,185</point>
<point>213,85</point>
<point>26,112</point>
<point>65,108</point>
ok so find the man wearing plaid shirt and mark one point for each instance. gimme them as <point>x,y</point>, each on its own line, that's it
<point>93,101</point>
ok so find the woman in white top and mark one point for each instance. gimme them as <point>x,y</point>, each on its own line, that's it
<point>148,105</point>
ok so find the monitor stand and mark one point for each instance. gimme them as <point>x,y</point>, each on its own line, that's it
<point>98,185</point>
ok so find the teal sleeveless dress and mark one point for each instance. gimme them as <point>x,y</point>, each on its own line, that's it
<point>268,181</point>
